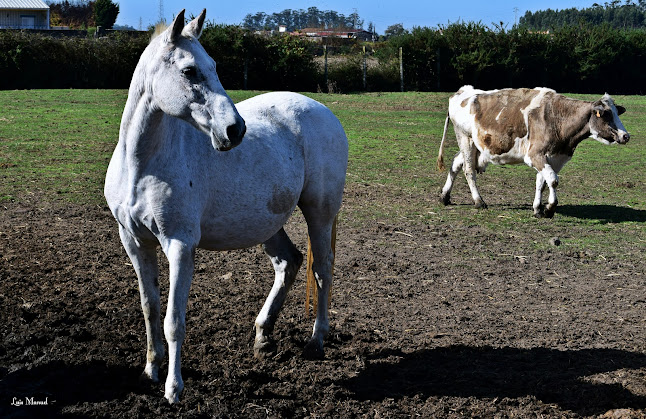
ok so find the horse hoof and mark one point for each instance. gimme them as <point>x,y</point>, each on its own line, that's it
<point>150,374</point>
<point>313,350</point>
<point>172,395</point>
<point>172,398</point>
<point>481,205</point>
<point>445,199</point>
<point>264,348</point>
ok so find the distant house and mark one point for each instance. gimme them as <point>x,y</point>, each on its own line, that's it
<point>319,34</point>
<point>24,14</point>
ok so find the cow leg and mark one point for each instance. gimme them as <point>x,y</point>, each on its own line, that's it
<point>181,266</point>
<point>540,187</point>
<point>286,260</point>
<point>456,166</point>
<point>144,261</point>
<point>552,181</point>
<point>470,165</point>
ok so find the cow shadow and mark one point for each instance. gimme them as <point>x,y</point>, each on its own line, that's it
<point>576,380</point>
<point>603,213</point>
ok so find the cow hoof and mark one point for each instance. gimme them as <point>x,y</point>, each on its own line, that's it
<point>313,350</point>
<point>264,348</point>
<point>550,210</point>
<point>445,199</point>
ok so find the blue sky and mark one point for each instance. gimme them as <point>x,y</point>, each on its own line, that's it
<point>410,13</point>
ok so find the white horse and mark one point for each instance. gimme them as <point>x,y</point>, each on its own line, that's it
<point>170,183</point>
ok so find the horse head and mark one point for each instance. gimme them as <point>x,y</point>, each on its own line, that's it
<point>183,83</point>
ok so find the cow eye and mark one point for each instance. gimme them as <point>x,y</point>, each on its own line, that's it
<point>189,72</point>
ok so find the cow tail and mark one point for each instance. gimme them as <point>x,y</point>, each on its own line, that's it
<point>440,156</point>
<point>310,285</point>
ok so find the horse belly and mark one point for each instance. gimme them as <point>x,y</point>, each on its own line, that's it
<point>253,227</point>
<point>252,211</point>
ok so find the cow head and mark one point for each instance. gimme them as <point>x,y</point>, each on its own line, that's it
<point>605,125</point>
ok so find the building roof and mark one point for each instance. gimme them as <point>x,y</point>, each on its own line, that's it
<point>23,4</point>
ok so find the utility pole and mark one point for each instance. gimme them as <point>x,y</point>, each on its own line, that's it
<point>515,16</point>
<point>161,12</point>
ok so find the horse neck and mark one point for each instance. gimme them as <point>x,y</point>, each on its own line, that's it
<point>142,125</point>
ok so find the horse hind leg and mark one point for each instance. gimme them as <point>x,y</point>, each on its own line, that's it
<point>286,260</point>
<point>320,234</point>
<point>144,261</point>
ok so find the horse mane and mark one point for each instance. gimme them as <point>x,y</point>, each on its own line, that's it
<point>159,29</point>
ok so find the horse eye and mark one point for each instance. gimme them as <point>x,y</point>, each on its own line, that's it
<point>189,72</point>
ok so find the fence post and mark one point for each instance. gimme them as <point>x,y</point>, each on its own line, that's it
<point>327,86</point>
<point>401,69</point>
<point>438,68</point>
<point>365,70</point>
<point>246,73</point>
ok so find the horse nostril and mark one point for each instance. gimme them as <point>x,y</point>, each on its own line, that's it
<point>626,137</point>
<point>235,132</point>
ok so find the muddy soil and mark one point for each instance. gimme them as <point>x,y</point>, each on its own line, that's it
<point>427,319</point>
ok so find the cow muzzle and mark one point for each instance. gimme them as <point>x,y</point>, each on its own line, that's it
<point>622,137</point>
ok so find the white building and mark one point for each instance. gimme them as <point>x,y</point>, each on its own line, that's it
<point>24,14</point>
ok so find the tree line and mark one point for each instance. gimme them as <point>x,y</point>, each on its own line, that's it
<point>631,14</point>
<point>83,14</point>
<point>311,17</point>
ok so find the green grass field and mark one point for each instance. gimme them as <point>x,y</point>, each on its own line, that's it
<point>58,144</point>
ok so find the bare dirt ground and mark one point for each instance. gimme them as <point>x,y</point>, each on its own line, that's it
<point>428,319</point>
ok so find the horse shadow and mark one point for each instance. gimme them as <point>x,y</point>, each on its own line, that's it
<point>604,213</point>
<point>576,380</point>
<point>62,384</point>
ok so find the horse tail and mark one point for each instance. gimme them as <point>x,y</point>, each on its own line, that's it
<point>310,286</point>
<point>440,156</point>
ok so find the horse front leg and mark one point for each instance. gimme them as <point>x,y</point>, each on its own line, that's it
<point>181,266</point>
<point>286,260</point>
<point>144,261</point>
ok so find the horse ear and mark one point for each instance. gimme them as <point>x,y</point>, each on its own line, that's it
<point>176,27</point>
<point>194,27</point>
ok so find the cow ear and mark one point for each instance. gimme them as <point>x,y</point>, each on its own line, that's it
<point>598,111</point>
<point>620,109</point>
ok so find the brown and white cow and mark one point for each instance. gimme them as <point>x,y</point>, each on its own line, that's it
<point>537,127</point>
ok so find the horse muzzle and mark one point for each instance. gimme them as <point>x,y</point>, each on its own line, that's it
<point>233,138</point>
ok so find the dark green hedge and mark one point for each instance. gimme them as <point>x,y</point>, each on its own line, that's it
<point>569,59</point>
<point>38,61</point>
